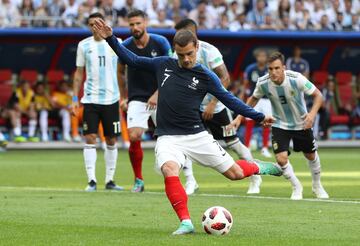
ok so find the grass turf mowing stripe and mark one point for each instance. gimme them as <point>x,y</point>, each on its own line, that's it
<point>202,194</point>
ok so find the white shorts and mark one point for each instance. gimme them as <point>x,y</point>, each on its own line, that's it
<point>200,147</point>
<point>138,115</point>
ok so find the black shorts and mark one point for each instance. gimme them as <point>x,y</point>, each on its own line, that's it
<point>303,140</point>
<point>108,115</point>
<point>217,124</point>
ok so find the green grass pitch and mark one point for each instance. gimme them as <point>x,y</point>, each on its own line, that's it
<point>42,203</point>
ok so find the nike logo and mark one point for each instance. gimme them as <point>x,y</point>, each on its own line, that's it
<point>168,70</point>
<point>176,203</point>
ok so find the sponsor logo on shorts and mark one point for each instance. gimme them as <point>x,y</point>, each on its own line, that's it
<point>275,146</point>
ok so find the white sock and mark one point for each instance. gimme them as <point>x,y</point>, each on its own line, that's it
<point>315,169</point>
<point>65,115</point>
<point>110,155</point>
<point>240,149</point>
<point>44,125</point>
<point>32,127</point>
<point>17,128</point>
<point>188,171</point>
<point>90,161</point>
<point>288,173</point>
<point>2,137</point>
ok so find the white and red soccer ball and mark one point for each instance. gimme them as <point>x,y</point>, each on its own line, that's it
<point>217,221</point>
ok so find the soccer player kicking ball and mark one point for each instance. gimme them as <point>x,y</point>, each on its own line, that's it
<point>182,86</point>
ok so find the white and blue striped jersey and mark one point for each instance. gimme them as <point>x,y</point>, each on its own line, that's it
<point>100,62</point>
<point>287,99</point>
<point>209,56</point>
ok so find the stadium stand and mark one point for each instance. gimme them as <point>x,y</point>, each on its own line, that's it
<point>37,52</point>
<point>53,77</point>
<point>29,75</point>
<point>320,77</point>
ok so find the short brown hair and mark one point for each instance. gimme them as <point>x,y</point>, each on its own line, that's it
<point>136,13</point>
<point>276,56</point>
<point>184,37</point>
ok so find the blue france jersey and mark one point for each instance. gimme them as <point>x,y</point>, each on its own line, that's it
<point>252,73</point>
<point>100,62</point>
<point>181,92</point>
<point>301,66</point>
<point>141,83</point>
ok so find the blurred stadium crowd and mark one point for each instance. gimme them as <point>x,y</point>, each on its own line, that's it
<point>233,15</point>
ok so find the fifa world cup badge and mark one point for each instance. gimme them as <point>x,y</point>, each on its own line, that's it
<point>85,126</point>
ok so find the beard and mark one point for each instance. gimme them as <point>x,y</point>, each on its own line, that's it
<point>138,35</point>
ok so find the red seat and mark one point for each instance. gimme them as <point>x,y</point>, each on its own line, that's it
<point>319,78</point>
<point>345,94</point>
<point>5,75</point>
<point>30,75</point>
<point>54,76</point>
<point>6,89</point>
<point>339,119</point>
<point>343,77</point>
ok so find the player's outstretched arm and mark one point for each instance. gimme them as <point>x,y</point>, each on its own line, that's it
<point>239,107</point>
<point>128,57</point>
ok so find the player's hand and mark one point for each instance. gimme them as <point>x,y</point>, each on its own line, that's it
<point>74,108</point>
<point>308,121</point>
<point>152,102</point>
<point>124,105</point>
<point>268,121</point>
<point>102,29</point>
<point>208,114</point>
<point>235,123</point>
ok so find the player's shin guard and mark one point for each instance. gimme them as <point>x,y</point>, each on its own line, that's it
<point>248,168</point>
<point>288,173</point>
<point>315,168</point>
<point>90,161</point>
<point>241,150</point>
<point>136,157</point>
<point>110,155</point>
<point>177,197</point>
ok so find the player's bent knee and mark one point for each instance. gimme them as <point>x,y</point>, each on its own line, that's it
<point>234,173</point>
<point>135,135</point>
<point>170,169</point>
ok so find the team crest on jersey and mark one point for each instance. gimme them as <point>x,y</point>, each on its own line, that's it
<point>292,93</point>
<point>194,83</point>
<point>154,53</point>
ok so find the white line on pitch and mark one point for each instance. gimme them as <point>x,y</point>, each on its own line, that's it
<point>200,194</point>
